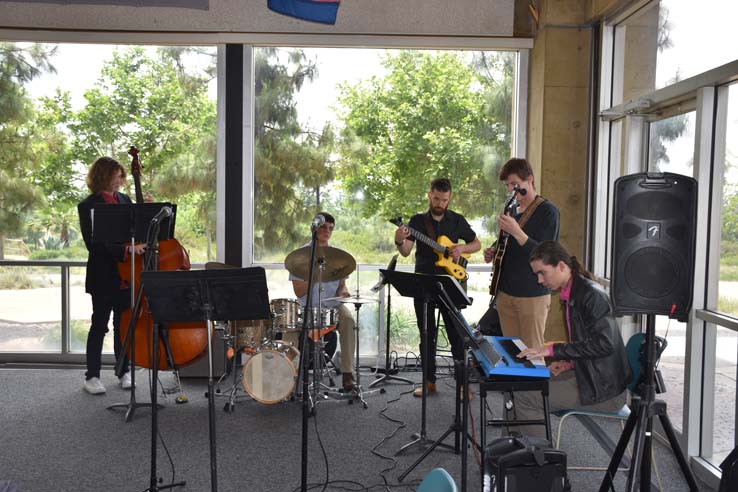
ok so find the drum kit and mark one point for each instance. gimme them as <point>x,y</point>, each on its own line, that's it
<point>270,365</point>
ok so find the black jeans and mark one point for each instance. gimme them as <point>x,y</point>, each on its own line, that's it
<point>457,346</point>
<point>102,305</point>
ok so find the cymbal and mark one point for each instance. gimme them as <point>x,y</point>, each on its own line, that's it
<point>338,263</point>
<point>353,300</point>
<point>216,265</point>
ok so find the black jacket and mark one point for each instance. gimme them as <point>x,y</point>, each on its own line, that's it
<point>596,347</point>
<point>102,260</point>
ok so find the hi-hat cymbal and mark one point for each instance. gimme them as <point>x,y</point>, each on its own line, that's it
<point>338,264</point>
<point>353,299</point>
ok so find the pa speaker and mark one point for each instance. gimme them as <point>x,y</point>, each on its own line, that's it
<point>653,244</point>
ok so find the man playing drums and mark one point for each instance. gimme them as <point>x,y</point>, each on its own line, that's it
<point>329,283</point>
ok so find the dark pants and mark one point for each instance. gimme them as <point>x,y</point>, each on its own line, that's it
<point>102,305</point>
<point>457,346</point>
<point>489,323</point>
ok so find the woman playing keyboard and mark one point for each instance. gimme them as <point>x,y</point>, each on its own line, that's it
<point>591,370</point>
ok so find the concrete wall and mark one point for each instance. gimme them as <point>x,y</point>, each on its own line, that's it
<point>558,121</point>
<point>413,17</point>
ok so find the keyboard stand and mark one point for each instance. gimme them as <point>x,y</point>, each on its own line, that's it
<point>511,386</point>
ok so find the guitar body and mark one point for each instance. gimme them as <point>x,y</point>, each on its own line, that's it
<point>511,204</point>
<point>454,268</point>
<point>497,265</point>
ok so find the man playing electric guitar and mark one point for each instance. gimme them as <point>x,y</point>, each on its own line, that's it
<point>436,222</point>
<point>522,303</point>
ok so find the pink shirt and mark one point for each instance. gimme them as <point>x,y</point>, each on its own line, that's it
<point>564,295</point>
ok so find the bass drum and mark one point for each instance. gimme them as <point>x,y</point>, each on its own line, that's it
<point>269,375</point>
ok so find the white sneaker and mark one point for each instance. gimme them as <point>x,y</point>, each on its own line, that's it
<point>93,386</point>
<point>125,381</point>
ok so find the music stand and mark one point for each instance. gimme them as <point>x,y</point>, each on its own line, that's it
<point>202,295</point>
<point>449,294</point>
<point>424,286</point>
<point>130,222</point>
<point>389,374</point>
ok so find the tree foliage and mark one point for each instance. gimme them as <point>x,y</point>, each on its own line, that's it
<point>291,163</point>
<point>148,100</point>
<point>18,195</point>
<point>432,115</point>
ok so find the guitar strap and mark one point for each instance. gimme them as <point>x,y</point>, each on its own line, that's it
<point>429,227</point>
<point>529,211</point>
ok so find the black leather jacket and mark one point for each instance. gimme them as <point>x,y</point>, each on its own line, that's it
<point>596,347</point>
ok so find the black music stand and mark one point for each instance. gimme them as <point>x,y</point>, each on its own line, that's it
<point>425,287</point>
<point>450,295</point>
<point>389,374</point>
<point>202,295</point>
<point>132,223</point>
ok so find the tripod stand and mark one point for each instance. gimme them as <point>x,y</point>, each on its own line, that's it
<point>389,374</point>
<point>443,298</point>
<point>643,408</point>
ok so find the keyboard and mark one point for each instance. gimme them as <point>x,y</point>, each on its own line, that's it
<point>497,359</point>
<point>513,349</point>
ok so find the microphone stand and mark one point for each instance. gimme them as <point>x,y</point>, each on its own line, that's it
<point>304,364</point>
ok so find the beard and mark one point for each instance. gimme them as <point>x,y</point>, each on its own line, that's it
<point>438,210</point>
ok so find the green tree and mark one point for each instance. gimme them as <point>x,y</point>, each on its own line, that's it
<point>430,116</point>
<point>151,101</point>
<point>18,195</point>
<point>291,163</point>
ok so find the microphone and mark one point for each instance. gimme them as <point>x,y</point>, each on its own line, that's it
<point>521,191</point>
<point>166,211</point>
<point>318,221</point>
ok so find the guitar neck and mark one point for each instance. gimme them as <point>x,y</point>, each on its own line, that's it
<point>426,240</point>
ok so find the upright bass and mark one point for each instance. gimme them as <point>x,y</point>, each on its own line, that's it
<point>182,343</point>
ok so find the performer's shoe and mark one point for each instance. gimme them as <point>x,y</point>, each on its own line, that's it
<point>348,381</point>
<point>430,388</point>
<point>125,381</point>
<point>94,386</point>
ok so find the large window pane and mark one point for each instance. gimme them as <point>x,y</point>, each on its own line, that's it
<point>160,99</point>
<point>673,40</point>
<point>30,309</point>
<point>728,282</point>
<point>723,433</point>
<point>360,133</point>
<point>671,144</point>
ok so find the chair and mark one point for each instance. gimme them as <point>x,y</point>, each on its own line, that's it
<point>633,351</point>
<point>438,480</point>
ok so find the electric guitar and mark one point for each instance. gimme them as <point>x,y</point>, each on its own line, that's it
<point>511,204</point>
<point>456,268</point>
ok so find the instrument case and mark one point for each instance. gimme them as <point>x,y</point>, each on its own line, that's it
<point>523,464</point>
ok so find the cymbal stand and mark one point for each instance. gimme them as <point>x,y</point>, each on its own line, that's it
<point>230,367</point>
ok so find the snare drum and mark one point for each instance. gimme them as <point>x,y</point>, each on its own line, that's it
<point>323,322</point>
<point>286,314</point>
<point>269,375</point>
<point>251,334</point>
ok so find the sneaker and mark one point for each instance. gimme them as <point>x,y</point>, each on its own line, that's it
<point>125,381</point>
<point>93,386</point>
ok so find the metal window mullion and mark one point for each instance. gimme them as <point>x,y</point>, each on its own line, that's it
<point>700,349</point>
<point>249,108</point>
<point>65,311</point>
<point>520,96</point>
<point>220,157</point>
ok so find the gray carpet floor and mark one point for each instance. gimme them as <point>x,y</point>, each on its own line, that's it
<point>55,437</point>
